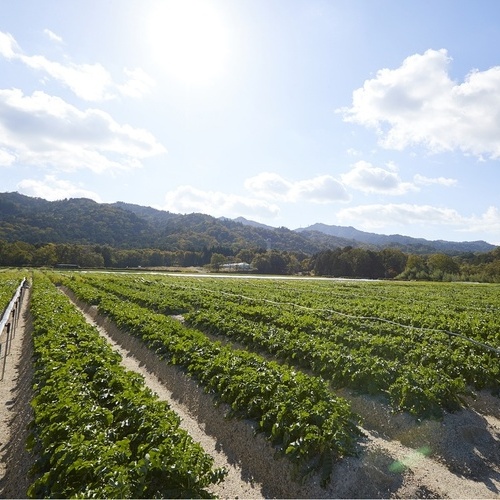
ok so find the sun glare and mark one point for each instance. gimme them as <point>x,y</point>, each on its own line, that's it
<point>189,40</point>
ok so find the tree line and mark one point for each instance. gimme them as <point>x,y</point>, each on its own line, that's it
<point>391,263</point>
<point>347,262</point>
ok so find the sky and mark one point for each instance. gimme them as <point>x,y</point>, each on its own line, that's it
<point>378,114</point>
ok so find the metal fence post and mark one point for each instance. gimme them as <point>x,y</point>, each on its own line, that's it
<point>7,345</point>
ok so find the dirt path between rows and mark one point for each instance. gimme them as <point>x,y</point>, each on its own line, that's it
<point>15,410</point>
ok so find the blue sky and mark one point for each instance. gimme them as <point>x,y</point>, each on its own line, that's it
<point>380,114</point>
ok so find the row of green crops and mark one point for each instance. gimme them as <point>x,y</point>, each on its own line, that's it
<point>9,282</point>
<point>470,309</point>
<point>98,431</point>
<point>420,372</point>
<point>371,337</point>
<point>297,412</point>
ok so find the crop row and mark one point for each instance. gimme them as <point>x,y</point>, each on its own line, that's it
<point>422,371</point>
<point>469,309</point>
<point>297,412</point>
<point>9,281</point>
<point>472,310</point>
<point>98,431</point>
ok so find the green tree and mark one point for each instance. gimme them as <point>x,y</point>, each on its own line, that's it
<point>45,255</point>
<point>394,262</point>
<point>245,255</point>
<point>16,254</point>
<point>107,254</point>
<point>272,262</point>
<point>216,261</point>
<point>441,265</point>
<point>293,266</point>
<point>416,268</point>
<point>87,257</point>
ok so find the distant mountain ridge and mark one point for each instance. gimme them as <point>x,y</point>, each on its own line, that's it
<point>382,240</point>
<point>125,225</point>
<point>252,223</point>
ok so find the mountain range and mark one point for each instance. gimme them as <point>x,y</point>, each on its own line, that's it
<point>125,225</point>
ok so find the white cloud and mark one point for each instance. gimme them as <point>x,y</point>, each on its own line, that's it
<point>90,82</point>
<point>370,179</point>
<point>6,158</point>
<point>378,216</point>
<point>187,199</point>
<point>489,222</point>
<point>53,36</point>
<point>324,189</point>
<point>320,189</point>
<point>8,46</point>
<point>268,185</point>
<point>45,130</point>
<point>442,181</point>
<point>419,104</point>
<point>53,189</point>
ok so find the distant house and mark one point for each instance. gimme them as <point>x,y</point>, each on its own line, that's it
<point>67,266</point>
<point>236,267</point>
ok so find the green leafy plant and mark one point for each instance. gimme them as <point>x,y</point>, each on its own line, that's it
<point>98,431</point>
<point>297,412</point>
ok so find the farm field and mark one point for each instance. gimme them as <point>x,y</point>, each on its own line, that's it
<point>361,388</point>
<point>423,346</point>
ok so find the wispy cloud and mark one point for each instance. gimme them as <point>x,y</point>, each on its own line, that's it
<point>53,36</point>
<point>90,82</point>
<point>419,104</point>
<point>44,130</point>
<point>137,84</point>
<point>427,181</point>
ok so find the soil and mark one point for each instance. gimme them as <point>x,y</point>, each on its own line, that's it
<point>399,457</point>
<point>15,410</point>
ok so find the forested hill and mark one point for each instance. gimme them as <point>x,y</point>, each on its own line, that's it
<point>123,225</point>
<point>79,220</point>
